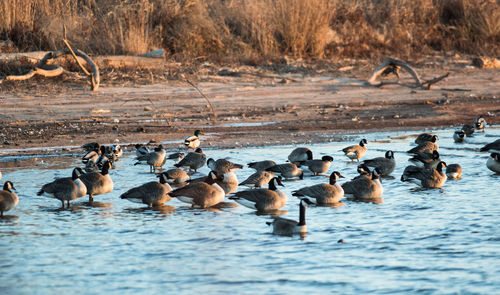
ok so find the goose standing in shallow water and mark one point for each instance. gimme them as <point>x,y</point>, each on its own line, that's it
<point>201,194</point>
<point>493,162</point>
<point>287,170</point>
<point>426,178</point>
<point>319,166</point>
<point>299,155</point>
<point>287,227</point>
<point>98,183</point>
<point>153,193</point>
<point>386,165</point>
<point>193,142</point>
<point>258,179</point>
<point>262,199</point>
<point>194,160</point>
<point>8,199</point>
<point>356,152</point>
<point>454,171</point>
<point>65,189</point>
<point>323,193</point>
<point>154,159</point>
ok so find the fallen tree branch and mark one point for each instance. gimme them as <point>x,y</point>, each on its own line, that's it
<point>206,98</point>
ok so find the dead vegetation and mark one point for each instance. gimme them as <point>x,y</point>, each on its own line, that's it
<point>254,31</point>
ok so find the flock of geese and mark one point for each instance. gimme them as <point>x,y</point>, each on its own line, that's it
<point>426,170</point>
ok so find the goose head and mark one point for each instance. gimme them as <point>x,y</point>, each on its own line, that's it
<point>363,142</point>
<point>389,155</point>
<point>327,159</point>
<point>334,176</point>
<point>440,166</point>
<point>8,186</point>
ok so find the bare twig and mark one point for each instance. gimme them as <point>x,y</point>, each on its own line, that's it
<point>76,58</point>
<point>208,100</point>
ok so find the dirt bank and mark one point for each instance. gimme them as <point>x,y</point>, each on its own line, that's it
<point>253,108</point>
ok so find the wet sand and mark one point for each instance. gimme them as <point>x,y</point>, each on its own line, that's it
<point>251,110</point>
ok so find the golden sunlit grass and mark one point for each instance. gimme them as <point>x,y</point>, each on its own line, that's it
<point>255,29</point>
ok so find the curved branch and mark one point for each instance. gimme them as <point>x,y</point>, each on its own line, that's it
<point>393,63</point>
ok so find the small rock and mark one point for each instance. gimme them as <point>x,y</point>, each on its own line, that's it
<point>147,109</point>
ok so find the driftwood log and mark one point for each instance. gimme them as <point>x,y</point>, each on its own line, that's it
<point>393,65</point>
<point>49,70</point>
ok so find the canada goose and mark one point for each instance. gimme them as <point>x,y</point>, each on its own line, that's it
<point>153,193</point>
<point>91,146</point>
<point>426,178</point>
<point>154,159</point>
<point>117,151</point>
<point>287,227</point>
<point>228,182</point>
<point>468,129</point>
<point>459,136</point>
<point>287,170</point>
<point>425,160</point>
<point>364,172</point>
<point>262,199</point>
<point>193,160</point>
<point>261,165</point>
<point>176,176</point>
<point>141,150</point>
<point>480,124</point>
<point>201,194</point>
<point>222,166</point>
<point>193,141</point>
<point>454,171</point>
<point>98,183</point>
<point>299,155</point>
<point>8,199</point>
<point>175,156</point>
<point>428,146</point>
<point>385,164</point>
<point>323,193</point>
<point>493,147</point>
<point>65,189</point>
<point>258,179</point>
<point>493,162</point>
<point>356,151</point>
<point>423,137</point>
<point>364,188</point>
<point>319,166</point>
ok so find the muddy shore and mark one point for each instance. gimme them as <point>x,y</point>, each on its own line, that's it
<point>252,110</point>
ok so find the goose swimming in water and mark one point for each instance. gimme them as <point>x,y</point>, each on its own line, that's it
<point>287,227</point>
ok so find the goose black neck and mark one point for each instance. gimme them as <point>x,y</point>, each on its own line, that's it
<point>105,169</point>
<point>302,215</point>
<point>272,185</point>
<point>333,179</point>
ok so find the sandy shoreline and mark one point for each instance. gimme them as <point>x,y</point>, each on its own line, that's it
<point>251,111</point>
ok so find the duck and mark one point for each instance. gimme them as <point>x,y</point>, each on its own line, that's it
<point>201,194</point>
<point>459,136</point>
<point>454,171</point>
<point>356,152</point>
<point>91,157</point>
<point>386,164</point>
<point>425,160</point>
<point>319,166</point>
<point>98,183</point>
<point>261,165</point>
<point>8,198</point>
<point>193,142</point>
<point>427,146</point>
<point>287,170</point>
<point>193,160</point>
<point>364,188</point>
<point>117,151</point>
<point>141,150</point>
<point>468,129</point>
<point>287,227</point>
<point>299,155</point>
<point>423,137</point>
<point>492,147</point>
<point>222,166</point>
<point>152,193</point>
<point>493,163</point>
<point>176,176</point>
<point>262,199</point>
<point>480,124</point>
<point>426,178</point>
<point>91,146</point>
<point>65,189</point>
<point>154,159</point>
<point>258,179</point>
<point>323,193</point>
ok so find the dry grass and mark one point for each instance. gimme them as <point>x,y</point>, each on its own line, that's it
<point>256,30</point>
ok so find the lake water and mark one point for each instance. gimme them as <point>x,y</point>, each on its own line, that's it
<point>442,241</point>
